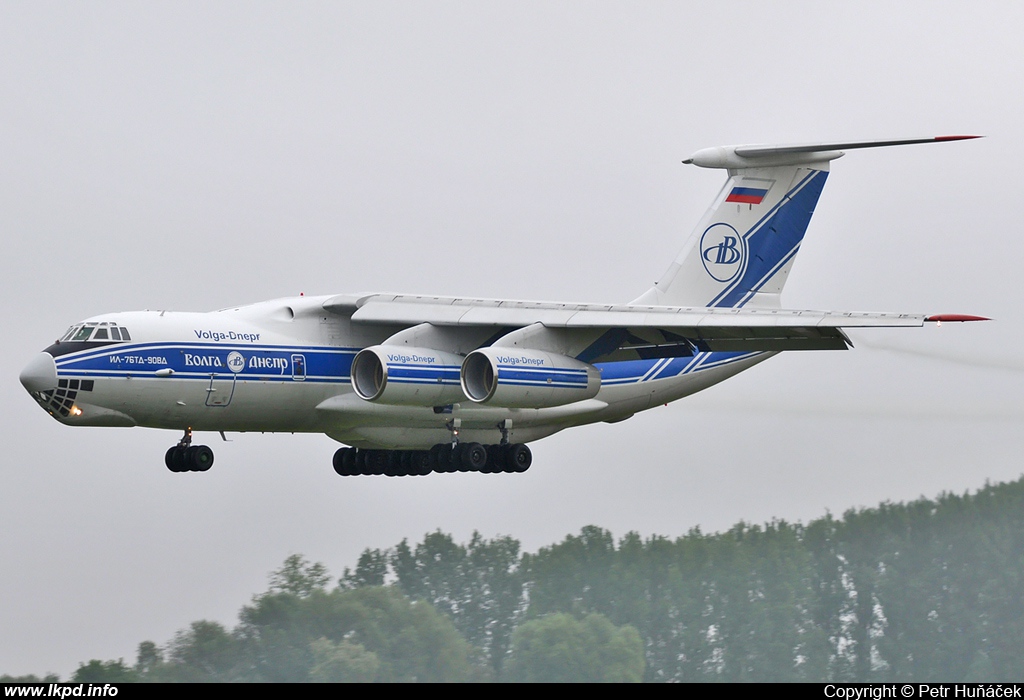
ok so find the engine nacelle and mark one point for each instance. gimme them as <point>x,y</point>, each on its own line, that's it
<point>400,375</point>
<point>514,378</point>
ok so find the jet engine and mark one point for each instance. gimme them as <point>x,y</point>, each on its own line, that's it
<point>515,378</point>
<point>400,375</point>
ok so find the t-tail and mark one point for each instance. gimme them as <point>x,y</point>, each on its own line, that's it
<point>743,249</point>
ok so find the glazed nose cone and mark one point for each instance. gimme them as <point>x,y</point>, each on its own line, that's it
<point>40,374</point>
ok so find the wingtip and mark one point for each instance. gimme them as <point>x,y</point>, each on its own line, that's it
<point>958,137</point>
<point>955,318</point>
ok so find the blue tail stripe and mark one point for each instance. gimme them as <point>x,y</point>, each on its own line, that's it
<point>774,240</point>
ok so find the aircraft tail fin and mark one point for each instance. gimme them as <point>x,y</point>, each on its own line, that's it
<point>743,248</point>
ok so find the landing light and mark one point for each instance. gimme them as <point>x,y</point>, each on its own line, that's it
<point>76,411</point>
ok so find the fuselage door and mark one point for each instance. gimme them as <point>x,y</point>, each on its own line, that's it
<point>220,390</point>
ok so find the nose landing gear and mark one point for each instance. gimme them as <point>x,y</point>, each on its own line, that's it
<point>186,457</point>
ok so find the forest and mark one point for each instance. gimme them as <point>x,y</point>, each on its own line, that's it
<point>929,590</point>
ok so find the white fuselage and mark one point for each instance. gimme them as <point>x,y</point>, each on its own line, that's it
<point>284,366</point>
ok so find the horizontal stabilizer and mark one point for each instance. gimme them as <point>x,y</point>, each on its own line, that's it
<point>758,156</point>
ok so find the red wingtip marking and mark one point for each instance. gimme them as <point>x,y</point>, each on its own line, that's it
<point>955,317</point>
<point>957,138</point>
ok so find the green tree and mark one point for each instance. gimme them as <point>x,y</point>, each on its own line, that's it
<point>371,570</point>
<point>496,600</point>
<point>561,649</point>
<point>411,640</point>
<point>30,678</point>
<point>927,590</point>
<point>479,586</point>
<point>149,659</point>
<point>97,671</point>
<point>205,652</point>
<point>299,577</point>
<point>342,662</point>
<point>577,575</point>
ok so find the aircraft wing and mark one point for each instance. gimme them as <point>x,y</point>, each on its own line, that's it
<point>647,331</point>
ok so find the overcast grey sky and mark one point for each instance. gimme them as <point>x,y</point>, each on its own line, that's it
<point>192,156</point>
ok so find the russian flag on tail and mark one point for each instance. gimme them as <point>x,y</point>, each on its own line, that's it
<point>747,195</point>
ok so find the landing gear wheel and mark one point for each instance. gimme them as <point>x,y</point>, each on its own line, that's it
<point>199,458</point>
<point>376,462</point>
<point>344,461</point>
<point>437,458</point>
<point>457,464</point>
<point>359,463</point>
<point>474,456</point>
<point>174,459</point>
<point>350,462</point>
<point>496,462</point>
<point>393,464</point>
<point>446,458</point>
<point>519,458</point>
<point>420,463</point>
<point>407,468</point>
<point>186,457</point>
<point>181,459</point>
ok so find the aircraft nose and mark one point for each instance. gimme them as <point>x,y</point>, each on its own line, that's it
<point>40,374</point>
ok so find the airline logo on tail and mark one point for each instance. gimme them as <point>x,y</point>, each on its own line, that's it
<point>723,252</point>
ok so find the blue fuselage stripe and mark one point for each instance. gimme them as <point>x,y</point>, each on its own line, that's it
<point>328,364</point>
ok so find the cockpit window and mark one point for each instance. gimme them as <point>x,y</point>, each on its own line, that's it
<point>103,331</point>
<point>83,334</point>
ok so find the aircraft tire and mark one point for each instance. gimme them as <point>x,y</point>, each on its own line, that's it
<point>180,459</point>
<point>420,463</point>
<point>435,458</point>
<point>444,455</point>
<point>451,456</point>
<point>474,457</point>
<point>393,463</point>
<point>519,458</point>
<point>360,463</point>
<point>199,458</point>
<point>444,458</point>
<point>409,463</point>
<point>457,464</point>
<point>171,459</point>
<point>376,461</point>
<point>350,462</point>
<point>495,459</point>
<point>506,458</point>
<point>340,468</point>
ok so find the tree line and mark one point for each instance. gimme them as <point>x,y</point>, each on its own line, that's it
<point>929,590</point>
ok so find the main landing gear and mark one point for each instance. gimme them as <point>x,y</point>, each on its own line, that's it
<point>443,458</point>
<point>186,457</point>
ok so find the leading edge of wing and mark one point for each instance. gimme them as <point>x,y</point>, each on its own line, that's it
<point>676,329</point>
<point>455,311</point>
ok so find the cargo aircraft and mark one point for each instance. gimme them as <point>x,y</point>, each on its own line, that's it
<point>414,384</point>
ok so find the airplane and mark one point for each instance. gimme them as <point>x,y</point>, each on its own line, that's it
<point>414,384</point>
